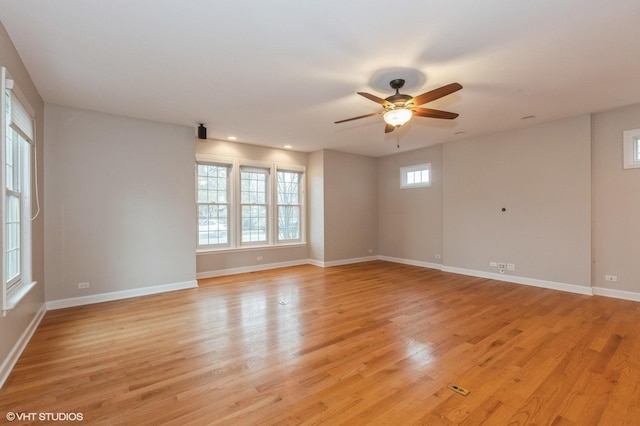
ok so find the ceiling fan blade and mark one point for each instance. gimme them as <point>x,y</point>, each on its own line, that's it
<point>436,94</point>
<point>358,117</point>
<point>376,99</point>
<point>388,128</point>
<point>434,113</point>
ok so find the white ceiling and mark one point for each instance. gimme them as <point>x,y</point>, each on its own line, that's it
<point>281,72</point>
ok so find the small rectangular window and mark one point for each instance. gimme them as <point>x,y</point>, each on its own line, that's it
<point>415,176</point>
<point>631,149</point>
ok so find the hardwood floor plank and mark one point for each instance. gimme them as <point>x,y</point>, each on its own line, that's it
<point>374,343</point>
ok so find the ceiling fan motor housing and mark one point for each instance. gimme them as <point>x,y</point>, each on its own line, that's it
<point>396,84</point>
<point>398,99</point>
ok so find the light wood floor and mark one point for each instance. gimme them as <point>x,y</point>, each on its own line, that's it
<point>372,343</point>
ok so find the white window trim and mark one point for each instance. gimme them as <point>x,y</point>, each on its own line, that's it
<point>405,170</point>
<point>10,299</point>
<point>220,162</point>
<point>235,214</point>
<point>631,139</point>
<point>302,195</point>
<point>269,203</point>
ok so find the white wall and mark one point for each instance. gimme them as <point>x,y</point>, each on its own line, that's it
<point>350,206</point>
<point>616,244</point>
<point>410,220</point>
<point>541,175</point>
<point>315,186</point>
<point>122,202</point>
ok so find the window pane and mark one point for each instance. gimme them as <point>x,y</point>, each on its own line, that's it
<point>637,149</point>
<point>12,237</point>
<point>212,224</point>
<point>288,188</point>
<point>253,187</point>
<point>12,159</point>
<point>212,183</point>
<point>254,223</point>
<point>288,222</point>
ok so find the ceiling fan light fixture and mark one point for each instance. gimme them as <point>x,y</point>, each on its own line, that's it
<point>397,117</point>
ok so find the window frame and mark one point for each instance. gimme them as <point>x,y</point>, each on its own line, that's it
<point>252,167</point>
<point>18,124</point>
<point>229,197</point>
<point>631,149</point>
<point>404,176</point>
<point>301,192</point>
<point>235,204</point>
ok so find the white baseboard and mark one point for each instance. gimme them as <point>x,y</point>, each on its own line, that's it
<point>342,261</point>
<point>412,262</point>
<point>11,359</point>
<point>552,285</point>
<point>571,288</point>
<point>315,262</point>
<point>252,268</point>
<point>267,266</point>
<point>617,294</point>
<point>117,295</point>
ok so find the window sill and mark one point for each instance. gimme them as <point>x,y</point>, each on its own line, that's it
<point>16,296</point>
<point>200,252</point>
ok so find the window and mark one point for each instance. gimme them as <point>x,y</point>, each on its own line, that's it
<point>288,188</point>
<point>415,176</point>
<point>254,204</point>
<point>213,204</point>
<point>631,149</point>
<point>18,134</point>
<point>248,204</point>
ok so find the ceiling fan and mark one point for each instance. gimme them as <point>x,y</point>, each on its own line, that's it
<point>398,108</point>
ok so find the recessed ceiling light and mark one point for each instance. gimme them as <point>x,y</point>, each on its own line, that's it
<point>528,117</point>
<point>459,133</point>
<point>288,147</point>
<point>232,138</point>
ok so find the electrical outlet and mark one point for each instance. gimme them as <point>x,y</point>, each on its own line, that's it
<point>511,266</point>
<point>438,256</point>
<point>610,278</point>
<point>83,285</point>
<point>502,265</point>
<point>494,264</point>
